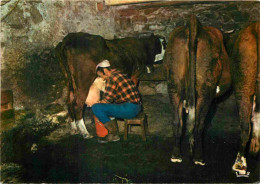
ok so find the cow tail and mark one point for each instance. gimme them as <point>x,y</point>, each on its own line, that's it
<point>191,82</point>
<point>60,57</point>
<point>60,52</point>
<point>258,68</point>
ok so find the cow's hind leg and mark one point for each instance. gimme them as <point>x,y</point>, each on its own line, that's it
<point>177,107</point>
<point>255,141</point>
<point>72,113</point>
<point>245,109</point>
<point>78,106</point>
<point>202,108</point>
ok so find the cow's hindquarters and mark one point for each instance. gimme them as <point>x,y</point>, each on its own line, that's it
<point>82,73</point>
<point>255,141</point>
<point>244,76</point>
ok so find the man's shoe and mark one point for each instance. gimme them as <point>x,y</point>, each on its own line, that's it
<point>112,138</point>
<point>108,138</point>
<point>112,128</point>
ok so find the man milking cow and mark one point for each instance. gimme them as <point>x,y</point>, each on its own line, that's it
<point>121,99</point>
<point>79,54</point>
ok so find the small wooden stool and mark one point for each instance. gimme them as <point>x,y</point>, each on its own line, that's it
<point>141,120</point>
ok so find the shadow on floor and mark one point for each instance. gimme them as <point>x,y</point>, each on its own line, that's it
<point>73,159</point>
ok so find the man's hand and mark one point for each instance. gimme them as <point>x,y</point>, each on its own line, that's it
<point>103,101</point>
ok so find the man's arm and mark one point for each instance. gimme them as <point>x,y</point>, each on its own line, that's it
<point>109,95</point>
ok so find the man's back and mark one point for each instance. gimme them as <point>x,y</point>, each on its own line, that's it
<point>119,89</point>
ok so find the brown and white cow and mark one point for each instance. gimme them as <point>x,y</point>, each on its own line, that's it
<point>79,53</point>
<point>246,80</point>
<point>198,70</point>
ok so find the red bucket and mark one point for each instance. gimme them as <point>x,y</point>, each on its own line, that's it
<point>100,128</point>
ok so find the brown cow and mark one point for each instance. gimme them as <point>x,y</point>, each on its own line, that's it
<point>198,70</point>
<point>79,53</point>
<point>246,79</point>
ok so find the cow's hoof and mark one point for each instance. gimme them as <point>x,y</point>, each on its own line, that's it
<point>87,136</point>
<point>176,160</point>
<point>240,165</point>
<point>199,162</point>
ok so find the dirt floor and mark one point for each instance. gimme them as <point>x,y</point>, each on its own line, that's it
<point>54,155</point>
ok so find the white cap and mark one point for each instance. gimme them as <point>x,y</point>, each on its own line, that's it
<point>104,63</point>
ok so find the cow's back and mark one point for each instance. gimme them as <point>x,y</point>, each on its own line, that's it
<point>127,54</point>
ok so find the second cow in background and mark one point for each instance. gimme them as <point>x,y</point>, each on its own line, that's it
<point>246,79</point>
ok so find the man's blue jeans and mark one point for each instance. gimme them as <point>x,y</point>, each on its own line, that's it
<point>124,110</point>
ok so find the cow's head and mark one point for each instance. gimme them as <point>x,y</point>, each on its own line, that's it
<point>159,57</point>
<point>155,47</point>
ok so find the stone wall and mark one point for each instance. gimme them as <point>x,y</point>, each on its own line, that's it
<point>162,18</point>
<point>32,28</point>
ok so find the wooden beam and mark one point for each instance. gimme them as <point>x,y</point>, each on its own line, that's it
<point>121,2</point>
<point>165,2</point>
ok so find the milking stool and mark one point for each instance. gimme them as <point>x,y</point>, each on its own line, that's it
<point>141,120</point>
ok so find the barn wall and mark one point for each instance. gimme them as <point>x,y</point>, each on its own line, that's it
<point>162,18</point>
<point>31,29</point>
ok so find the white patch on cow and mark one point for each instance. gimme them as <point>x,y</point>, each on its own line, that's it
<point>176,160</point>
<point>191,112</point>
<point>160,56</point>
<point>255,117</point>
<point>199,163</point>
<point>240,164</point>
<point>148,69</point>
<point>83,130</point>
<point>185,106</point>
<point>256,120</point>
<point>218,89</point>
<point>256,128</point>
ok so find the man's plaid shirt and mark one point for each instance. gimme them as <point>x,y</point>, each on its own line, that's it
<point>119,89</point>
